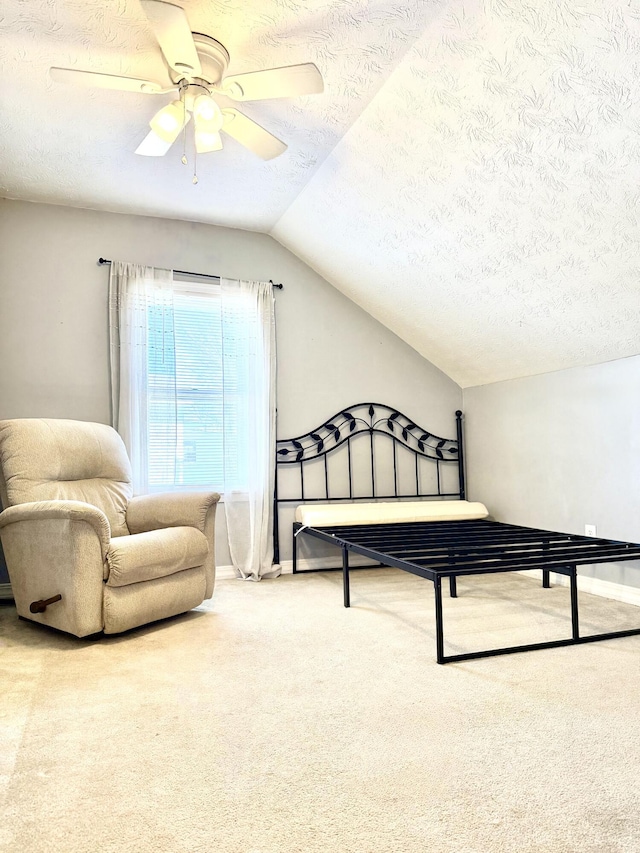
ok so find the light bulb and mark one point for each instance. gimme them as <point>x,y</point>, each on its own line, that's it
<point>207,112</point>
<point>169,121</point>
<point>207,141</point>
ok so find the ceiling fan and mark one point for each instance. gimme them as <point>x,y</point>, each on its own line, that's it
<point>197,66</point>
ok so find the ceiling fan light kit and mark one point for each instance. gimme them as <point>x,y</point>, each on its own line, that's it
<point>197,66</point>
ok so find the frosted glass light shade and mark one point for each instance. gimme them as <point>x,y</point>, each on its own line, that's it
<point>207,112</point>
<point>207,141</point>
<point>169,121</point>
<point>153,146</point>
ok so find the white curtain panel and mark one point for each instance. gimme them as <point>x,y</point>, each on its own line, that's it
<point>249,362</point>
<point>133,290</point>
<point>247,326</point>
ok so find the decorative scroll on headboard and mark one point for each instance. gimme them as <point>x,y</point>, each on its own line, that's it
<point>337,437</point>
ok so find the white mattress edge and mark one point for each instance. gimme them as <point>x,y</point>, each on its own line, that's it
<point>388,512</point>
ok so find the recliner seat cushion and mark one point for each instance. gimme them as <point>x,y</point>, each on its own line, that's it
<point>156,554</point>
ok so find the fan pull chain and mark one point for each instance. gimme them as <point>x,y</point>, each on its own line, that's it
<point>195,164</point>
<point>184,129</point>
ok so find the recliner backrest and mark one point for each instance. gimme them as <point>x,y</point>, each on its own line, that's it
<point>45,459</point>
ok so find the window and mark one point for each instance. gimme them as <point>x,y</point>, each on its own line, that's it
<point>186,386</point>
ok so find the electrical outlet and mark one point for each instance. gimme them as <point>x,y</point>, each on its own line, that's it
<point>589,530</point>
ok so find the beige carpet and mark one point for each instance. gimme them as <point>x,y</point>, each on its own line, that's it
<point>273,720</point>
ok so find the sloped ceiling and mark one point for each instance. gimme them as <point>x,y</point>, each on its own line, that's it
<point>471,176</point>
<point>76,146</point>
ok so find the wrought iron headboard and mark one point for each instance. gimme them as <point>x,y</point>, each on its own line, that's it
<point>355,423</point>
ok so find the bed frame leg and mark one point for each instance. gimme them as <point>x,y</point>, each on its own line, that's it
<point>575,624</point>
<point>453,588</point>
<point>345,577</point>
<point>437,587</point>
<point>545,579</point>
<point>294,553</point>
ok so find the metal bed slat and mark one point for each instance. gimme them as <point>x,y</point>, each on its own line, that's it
<point>452,543</point>
<point>541,564</point>
<point>461,556</point>
<point>437,527</point>
<point>477,541</point>
<point>431,530</point>
<point>421,534</point>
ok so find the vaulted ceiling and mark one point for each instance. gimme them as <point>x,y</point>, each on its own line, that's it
<point>470,177</point>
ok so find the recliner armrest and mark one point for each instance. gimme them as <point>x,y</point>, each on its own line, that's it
<point>58,548</point>
<point>170,509</point>
<point>62,509</point>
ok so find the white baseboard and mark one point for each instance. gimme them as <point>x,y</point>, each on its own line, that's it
<point>225,573</point>
<point>593,586</point>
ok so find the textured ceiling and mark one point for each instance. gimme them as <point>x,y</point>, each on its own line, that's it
<point>76,146</point>
<point>471,176</point>
<point>486,204</point>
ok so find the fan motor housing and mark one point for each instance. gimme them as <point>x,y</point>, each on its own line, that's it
<point>214,59</point>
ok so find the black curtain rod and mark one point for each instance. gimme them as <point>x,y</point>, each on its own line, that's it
<point>102,261</point>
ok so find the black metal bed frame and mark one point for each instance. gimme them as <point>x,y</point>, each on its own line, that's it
<point>436,550</point>
<point>439,550</point>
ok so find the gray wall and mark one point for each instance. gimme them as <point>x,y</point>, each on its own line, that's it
<point>53,321</point>
<point>559,451</point>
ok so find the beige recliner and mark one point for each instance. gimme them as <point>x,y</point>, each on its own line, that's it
<point>72,532</point>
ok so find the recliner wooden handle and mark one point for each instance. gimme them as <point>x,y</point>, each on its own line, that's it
<point>41,606</point>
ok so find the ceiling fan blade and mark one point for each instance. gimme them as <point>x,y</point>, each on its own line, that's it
<point>153,146</point>
<point>94,80</point>
<point>171,28</point>
<point>251,135</point>
<point>284,82</point>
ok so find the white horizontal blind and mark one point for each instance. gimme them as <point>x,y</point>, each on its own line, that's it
<point>190,393</point>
